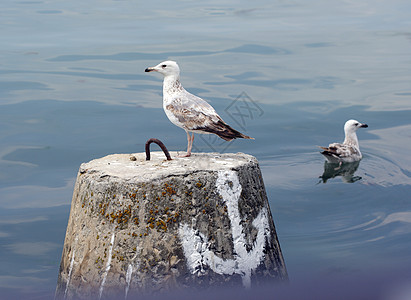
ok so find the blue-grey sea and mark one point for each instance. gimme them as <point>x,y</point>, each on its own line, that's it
<point>287,72</point>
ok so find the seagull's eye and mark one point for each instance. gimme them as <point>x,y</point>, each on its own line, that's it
<point>356,124</point>
<point>163,66</point>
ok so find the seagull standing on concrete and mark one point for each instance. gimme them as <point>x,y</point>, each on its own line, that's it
<point>188,111</point>
<point>349,150</point>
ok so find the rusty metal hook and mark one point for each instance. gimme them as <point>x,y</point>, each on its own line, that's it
<point>162,146</point>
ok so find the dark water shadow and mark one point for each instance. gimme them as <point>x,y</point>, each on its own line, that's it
<point>8,87</point>
<point>345,170</point>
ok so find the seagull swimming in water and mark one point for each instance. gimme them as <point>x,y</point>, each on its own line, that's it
<point>188,111</point>
<point>349,150</point>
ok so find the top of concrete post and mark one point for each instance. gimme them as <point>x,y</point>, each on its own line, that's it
<point>135,166</point>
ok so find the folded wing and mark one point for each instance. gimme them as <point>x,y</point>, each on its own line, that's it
<point>195,114</point>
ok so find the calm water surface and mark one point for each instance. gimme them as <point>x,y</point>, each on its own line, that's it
<point>73,88</point>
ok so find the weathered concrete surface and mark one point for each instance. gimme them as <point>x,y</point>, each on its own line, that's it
<point>142,226</point>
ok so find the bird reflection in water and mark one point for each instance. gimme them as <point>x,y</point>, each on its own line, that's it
<point>345,170</point>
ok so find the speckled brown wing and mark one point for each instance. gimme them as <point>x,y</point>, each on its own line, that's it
<point>339,150</point>
<point>197,115</point>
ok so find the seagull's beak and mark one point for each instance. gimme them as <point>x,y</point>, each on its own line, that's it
<point>364,126</point>
<point>150,69</point>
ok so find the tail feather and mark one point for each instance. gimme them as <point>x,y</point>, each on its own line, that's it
<point>224,131</point>
<point>328,153</point>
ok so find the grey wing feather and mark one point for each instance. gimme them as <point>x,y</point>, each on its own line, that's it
<point>339,150</point>
<point>193,111</point>
<point>197,114</point>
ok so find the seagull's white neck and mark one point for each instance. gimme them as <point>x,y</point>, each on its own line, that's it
<point>351,139</point>
<point>171,84</point>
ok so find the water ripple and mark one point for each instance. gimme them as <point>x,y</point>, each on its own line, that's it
<point>131,56</point>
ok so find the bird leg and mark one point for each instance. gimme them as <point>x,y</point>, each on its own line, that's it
<point>191,144</point>
<point>190,140</point>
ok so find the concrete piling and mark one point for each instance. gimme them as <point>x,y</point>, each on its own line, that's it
<point>137,226</point>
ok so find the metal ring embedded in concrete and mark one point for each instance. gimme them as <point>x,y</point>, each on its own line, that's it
<point>162,146</point>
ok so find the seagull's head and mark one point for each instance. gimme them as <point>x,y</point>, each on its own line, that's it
<point>353,125</point>
<point>167,68</point>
